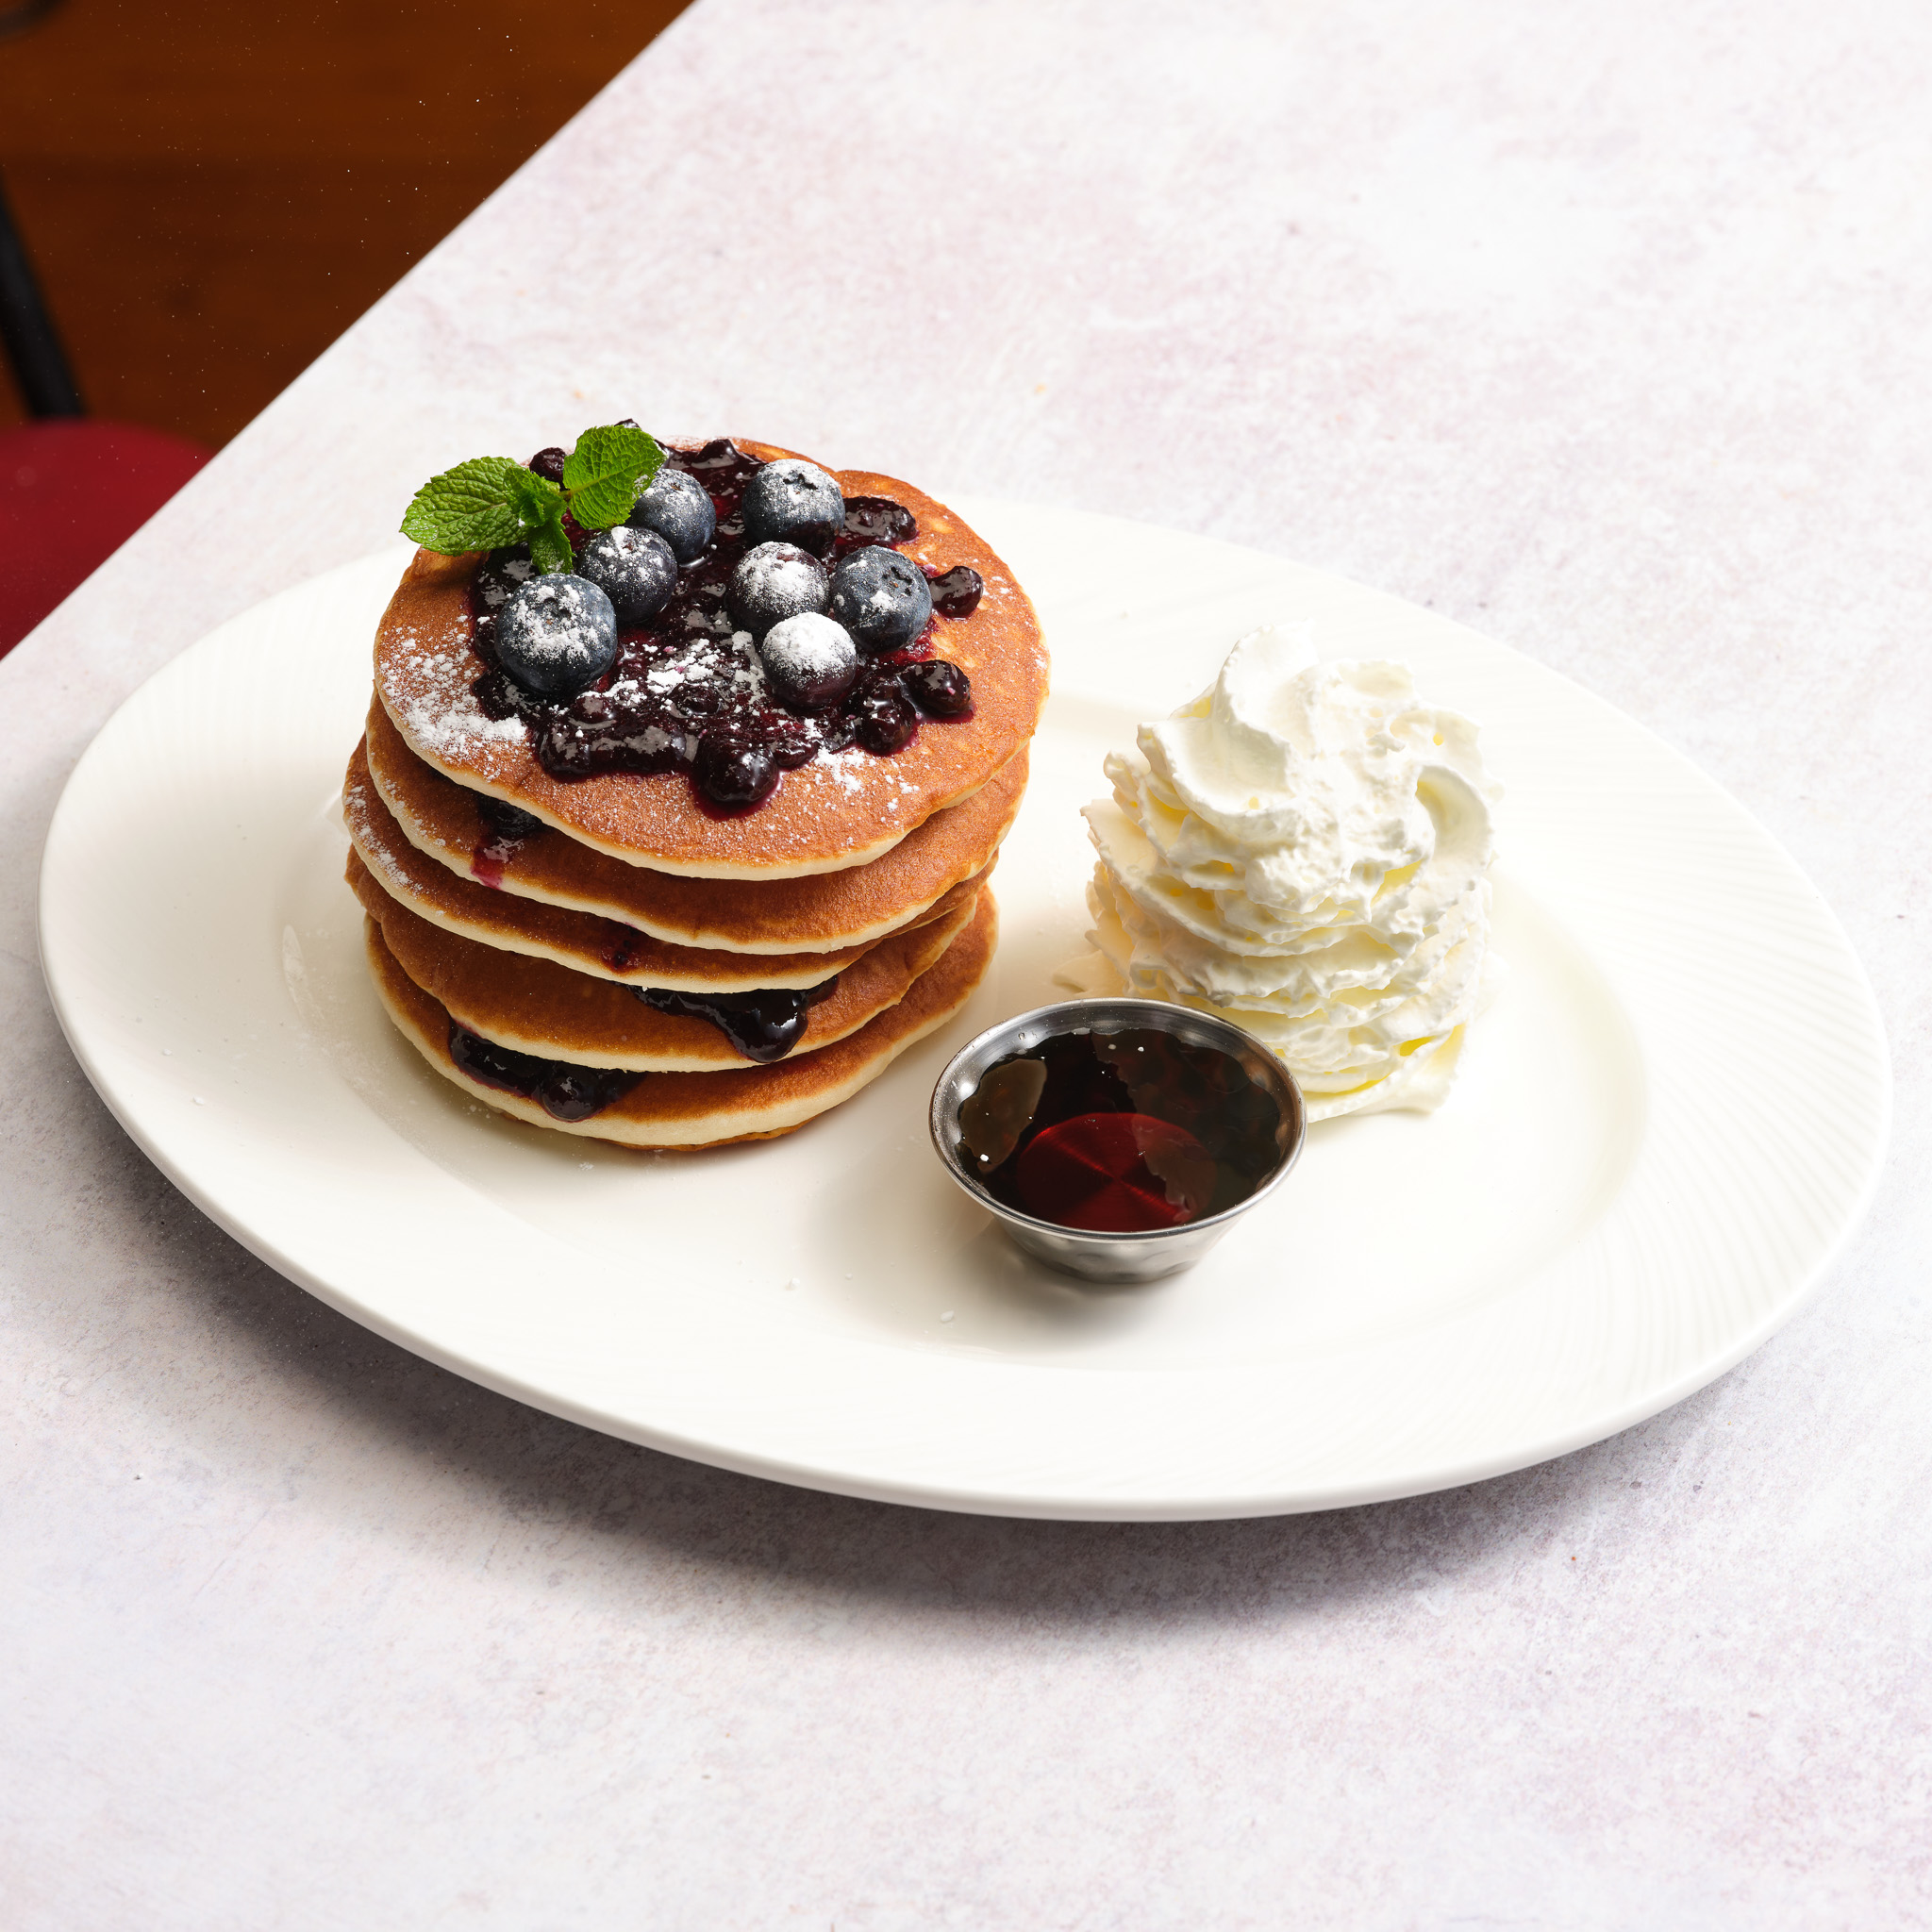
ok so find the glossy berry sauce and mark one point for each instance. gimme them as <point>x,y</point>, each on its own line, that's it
<point>564,1091</point>
<point>874,520</point>
<point>686,693</point>
<point>763,1026</point>
<point>1120,1132</point>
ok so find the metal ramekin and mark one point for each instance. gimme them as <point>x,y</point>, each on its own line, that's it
<point>1113,1257</point>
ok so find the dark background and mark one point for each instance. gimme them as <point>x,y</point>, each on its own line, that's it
<point>210,194</point>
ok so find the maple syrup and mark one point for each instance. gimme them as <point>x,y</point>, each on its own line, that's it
<point>1120,1132</point>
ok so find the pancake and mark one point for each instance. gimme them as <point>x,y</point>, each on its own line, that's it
<point>823,914</point>
<point>692,1110</point>
<point>537,1007</point>
<point>581,941</point>
<point>841,809</point>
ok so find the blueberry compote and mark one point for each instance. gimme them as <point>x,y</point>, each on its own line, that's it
<point>563,1090</point>
<point>686,692</point>
<point>763,1026</point>
<point>1120,1133</point>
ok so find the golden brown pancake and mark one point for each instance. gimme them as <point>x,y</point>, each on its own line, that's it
<point>836,811</point>
<point>695,1110</point>
<point>779,916</point>
<point>537,1007</point>
<point>581,941</point>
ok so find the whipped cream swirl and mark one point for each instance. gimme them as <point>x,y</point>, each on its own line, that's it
<point>1303,850</point>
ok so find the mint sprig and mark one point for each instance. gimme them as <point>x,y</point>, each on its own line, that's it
<point>489,503</point>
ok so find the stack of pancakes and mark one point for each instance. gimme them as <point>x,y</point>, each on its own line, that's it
<point>511,947</point>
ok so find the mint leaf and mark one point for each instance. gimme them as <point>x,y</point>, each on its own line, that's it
<point>473,506</point>
<point>535,499</point>
<point>603,475</point>
<point>540,504</point>
<point>549,547</point>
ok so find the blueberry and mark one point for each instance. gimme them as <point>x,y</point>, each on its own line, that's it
<point>939,688</point>
<point>881,599</point>
<point>792,502</point>
<point>732,772</point>
<point>958,594</point>
<point>568,1092</point>
<point>886,721</point>
<point>557,635</point>
<point>679,507</point>
<point>773,582</point>
<point>809,662</point>
<point>634,569</point>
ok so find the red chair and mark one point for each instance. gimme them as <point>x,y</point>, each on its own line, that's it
<point>72,491</point>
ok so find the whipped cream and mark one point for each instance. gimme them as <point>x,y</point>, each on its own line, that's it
<point>1305,850</point>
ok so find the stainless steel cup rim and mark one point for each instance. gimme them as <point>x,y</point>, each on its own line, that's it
<point>960,1080</point>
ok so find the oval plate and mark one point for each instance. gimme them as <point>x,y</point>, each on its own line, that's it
<point>1663,1130</point>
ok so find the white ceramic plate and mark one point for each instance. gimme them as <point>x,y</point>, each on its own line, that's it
<point>1663,1129</point>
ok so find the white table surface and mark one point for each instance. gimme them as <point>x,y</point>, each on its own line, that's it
<point>1608,330</point>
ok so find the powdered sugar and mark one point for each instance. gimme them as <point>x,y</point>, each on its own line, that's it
<point>426,689</point>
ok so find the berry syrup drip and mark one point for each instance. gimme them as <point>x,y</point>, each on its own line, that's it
<point>564,1091</point>
<point>1120,1132</point>
<point>688,693</point>
<point>505,830</point>
<point>763,1026</point>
